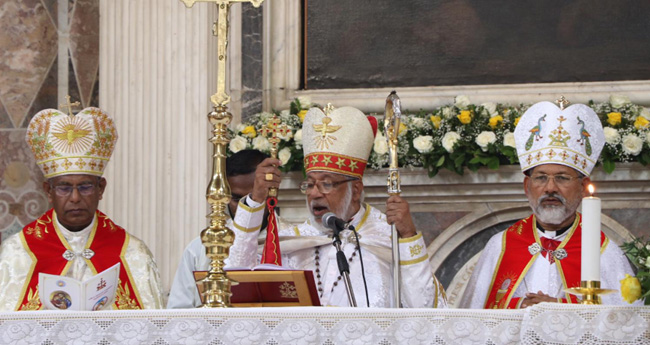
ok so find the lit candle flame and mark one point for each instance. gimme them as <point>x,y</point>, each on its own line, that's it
<point>592,189</point>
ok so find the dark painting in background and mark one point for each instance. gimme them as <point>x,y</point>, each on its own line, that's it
<point>387,43</point>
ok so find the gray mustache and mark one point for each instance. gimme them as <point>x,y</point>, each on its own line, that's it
<point>552,195</point>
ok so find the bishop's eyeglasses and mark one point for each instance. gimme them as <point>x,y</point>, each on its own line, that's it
<point>561,180</point>
<point>65,190</point>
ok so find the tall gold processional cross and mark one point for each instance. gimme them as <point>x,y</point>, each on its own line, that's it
<point>217,238</point>
<point>222,97</point>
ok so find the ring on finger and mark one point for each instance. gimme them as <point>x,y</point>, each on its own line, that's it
<point>268,177</point>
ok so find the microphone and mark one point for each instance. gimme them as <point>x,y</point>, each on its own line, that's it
<point>331,221</point>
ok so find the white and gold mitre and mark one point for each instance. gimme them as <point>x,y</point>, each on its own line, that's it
<point>72,144</point>
<point>338,140</point>
<point>548,135</point>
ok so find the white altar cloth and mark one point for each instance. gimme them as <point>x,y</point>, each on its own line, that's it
<point>556,324</point>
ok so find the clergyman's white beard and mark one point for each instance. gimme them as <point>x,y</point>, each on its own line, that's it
<point>341,211</point>
<point>554,215</point>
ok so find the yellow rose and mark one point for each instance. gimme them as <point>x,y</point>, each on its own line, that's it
<point>436,121</point>
<point>641,122</point>
<point>630,288</point>
<point>495,121</point>
<point>465,117</point>
<point>301,115</point>
<point>517,120</point>
<point>402,128</point>
<point>614,118</point>
<point>249,131</point>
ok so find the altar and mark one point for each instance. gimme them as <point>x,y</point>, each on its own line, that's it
<point>544,323</point>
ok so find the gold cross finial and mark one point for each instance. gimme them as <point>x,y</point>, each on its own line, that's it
<point>272,129</point>
<point>69,105</point>
<point>328,109</point>
<point>563,102</point>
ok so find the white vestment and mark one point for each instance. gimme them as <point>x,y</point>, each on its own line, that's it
<point>15,264</point>
<point>543,275</point>
<point>299,245</point>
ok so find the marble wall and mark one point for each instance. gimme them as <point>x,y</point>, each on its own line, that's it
<point>48,49</point>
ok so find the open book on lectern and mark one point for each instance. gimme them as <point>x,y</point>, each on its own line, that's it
<point>269,286</point>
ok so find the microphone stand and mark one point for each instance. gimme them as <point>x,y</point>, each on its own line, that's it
<point>344,268</point>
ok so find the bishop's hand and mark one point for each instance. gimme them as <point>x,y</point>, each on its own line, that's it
<point>398,213</point>
<point>267,175</point>
<point>534,298</point>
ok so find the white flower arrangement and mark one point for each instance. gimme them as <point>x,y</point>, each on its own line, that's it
<point>458,136</point>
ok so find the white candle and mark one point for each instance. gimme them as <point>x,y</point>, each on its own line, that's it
<point>590,261</point>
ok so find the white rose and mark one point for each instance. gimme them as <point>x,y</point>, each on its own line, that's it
<point>447,113</point>
<point>285,113</point>
<point>417,121</point>
<point>618,101</point>
<point>237,144</point>
<point>381,147</point>
<point>632,144</point>
<point>484,139</point>
<point>305,102</point>
<point>647,138</point>
<point>509,139</point>
<point>261,143</point>
<point>298,136</point>
<point>461,101</point>
<point>284,155</point>
<point>449,140</point>
<point>645,112</point>
<point>490,108</point>
<point>423,143</point>
<point>239,127</point>
<point>611,135</point>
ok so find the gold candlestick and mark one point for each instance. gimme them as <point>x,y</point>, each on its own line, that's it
<point>217,238</point>
<point>590,291</point>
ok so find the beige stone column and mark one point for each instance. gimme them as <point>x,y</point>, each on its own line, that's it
<point>156,76</point>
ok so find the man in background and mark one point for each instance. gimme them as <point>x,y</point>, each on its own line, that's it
<point>240,172</point>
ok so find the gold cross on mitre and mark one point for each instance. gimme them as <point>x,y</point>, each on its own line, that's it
<point>69,105</point>
<point>221,97</point>
<point>563,102</point>
<point>272,129</point>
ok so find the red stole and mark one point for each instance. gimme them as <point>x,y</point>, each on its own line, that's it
<point>46,246</point>
<point>516,260</point>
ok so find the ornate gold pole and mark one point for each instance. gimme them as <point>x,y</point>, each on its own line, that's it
<point>217,238</point>
<point>392,114</point>
<point>271,131</point>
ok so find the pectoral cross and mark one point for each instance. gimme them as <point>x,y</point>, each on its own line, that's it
<point>272,129</point>
<point>222,98</point>
<point>69,105</point>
